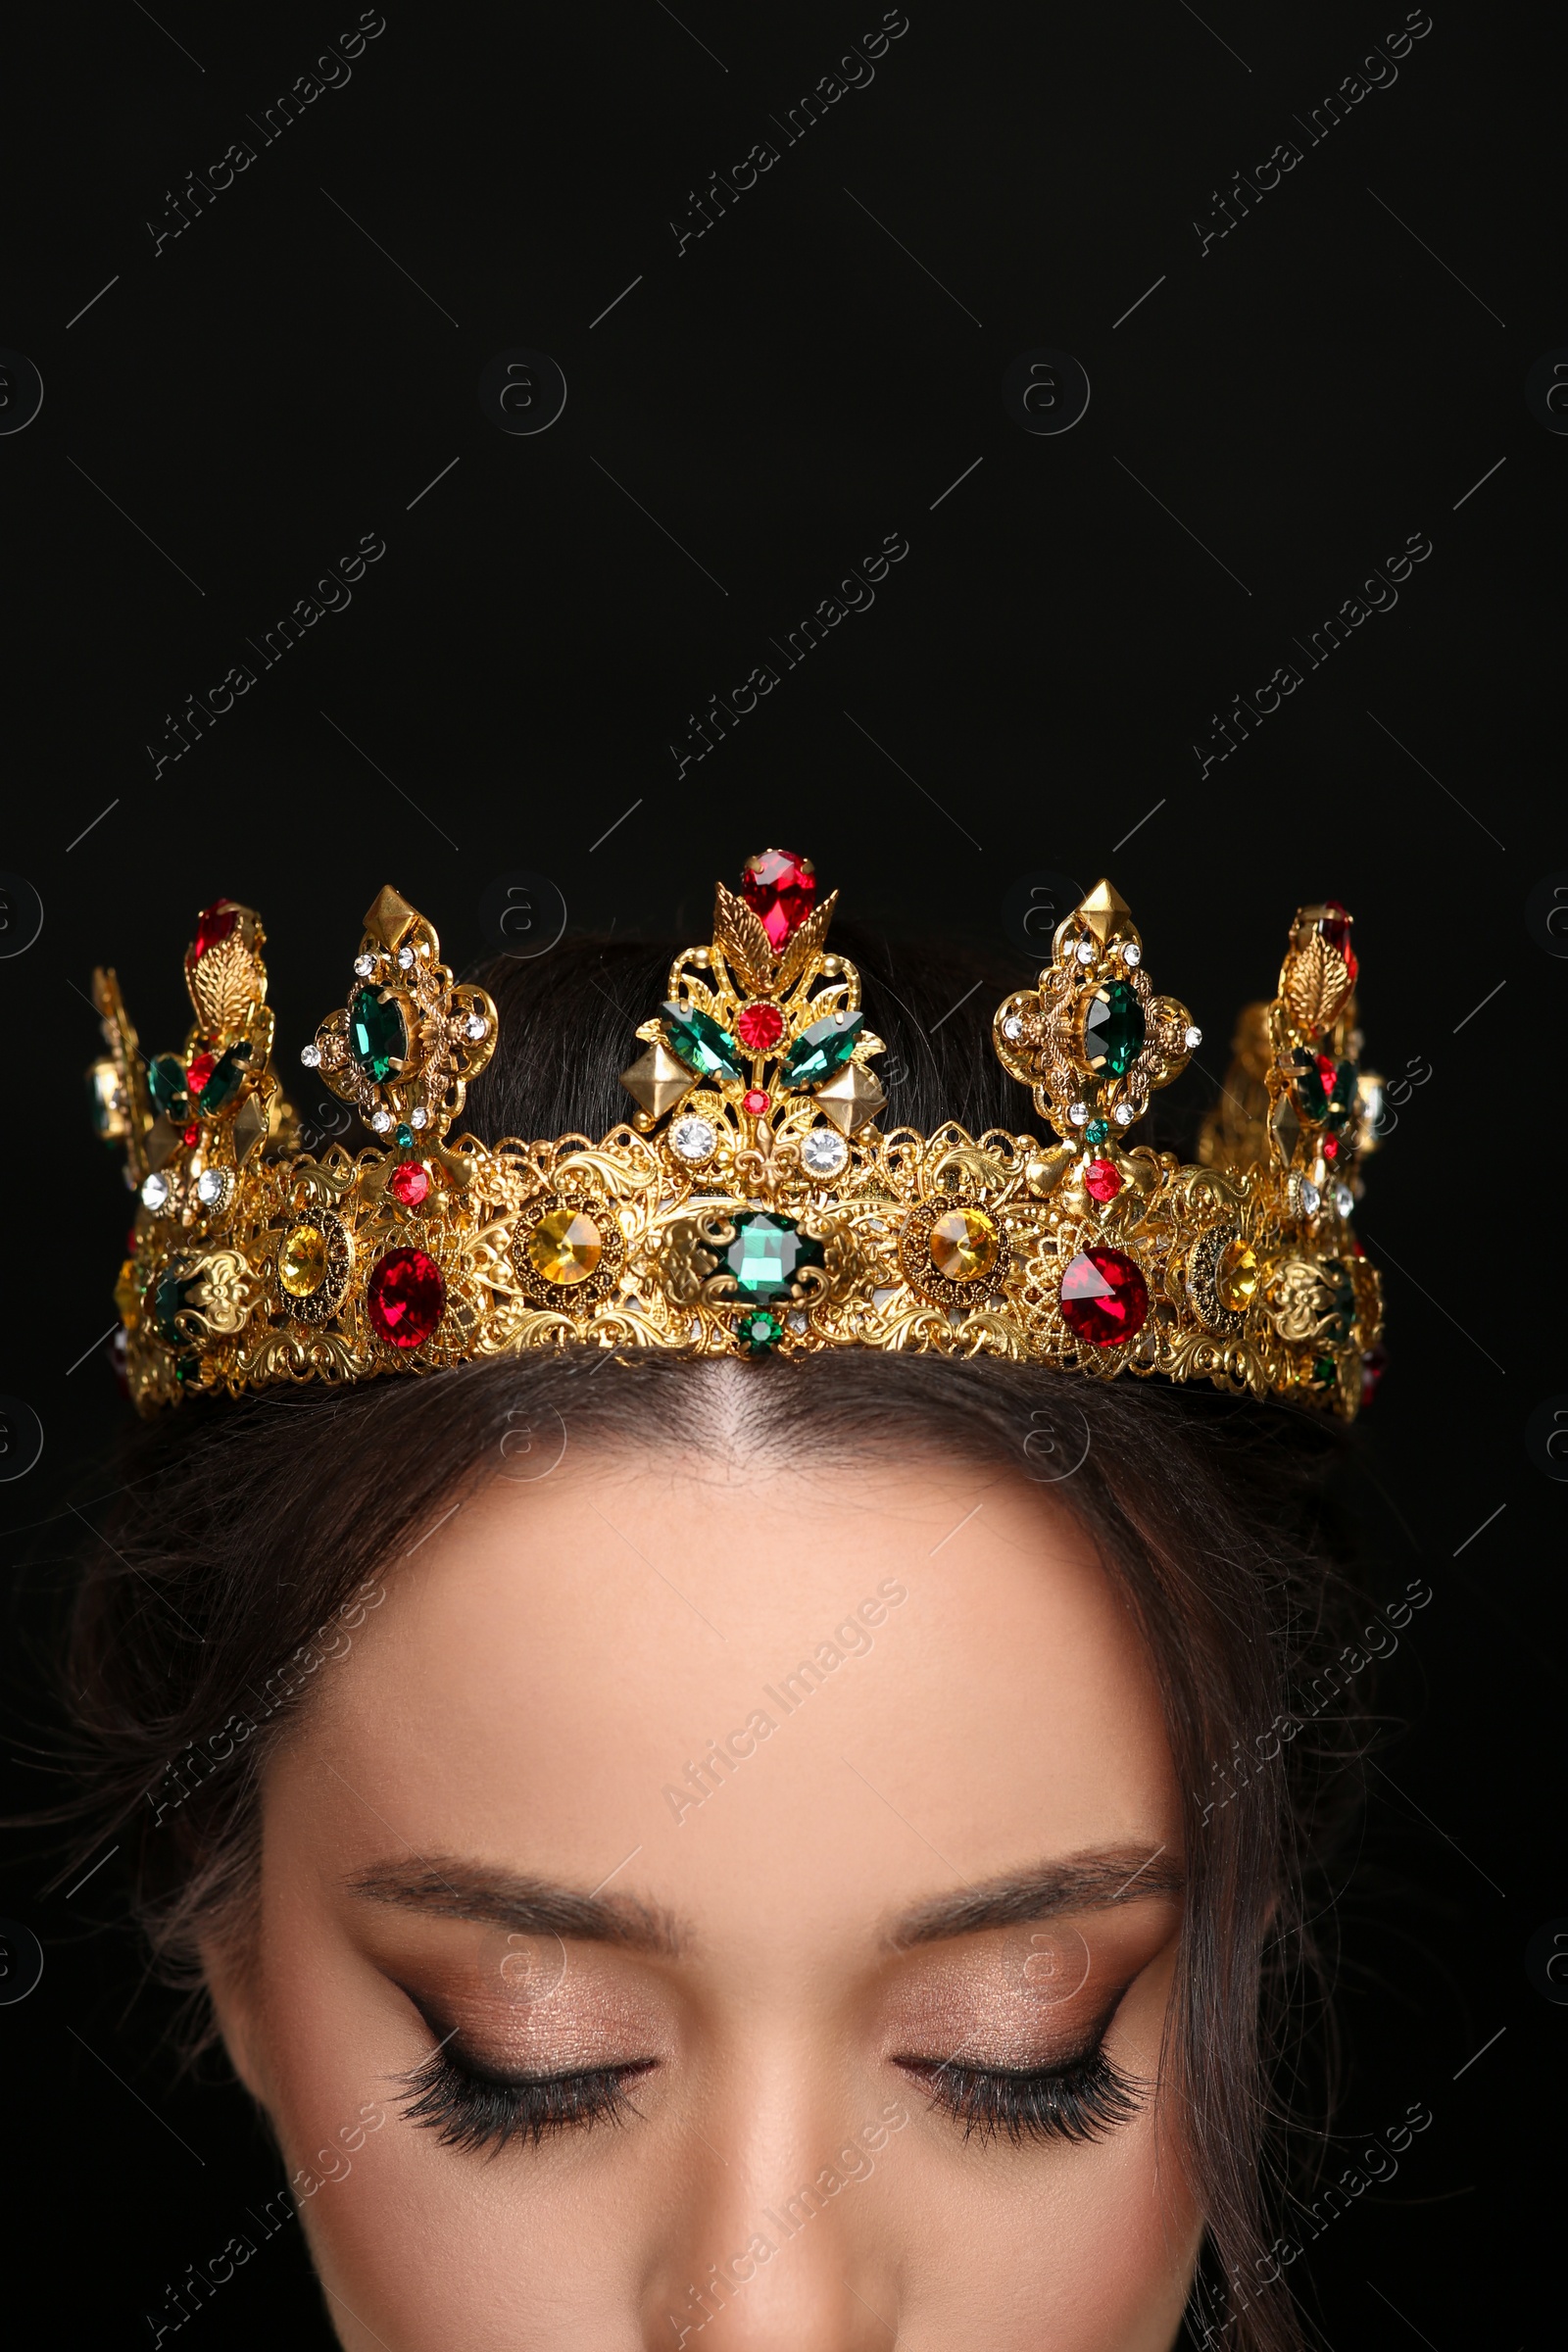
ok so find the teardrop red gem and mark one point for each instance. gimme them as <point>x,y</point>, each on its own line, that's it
<point>214,923</point>
<point>780,890</point>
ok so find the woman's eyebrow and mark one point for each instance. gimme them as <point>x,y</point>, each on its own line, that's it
<point>451,1889</point>
<point>1091,1882</point>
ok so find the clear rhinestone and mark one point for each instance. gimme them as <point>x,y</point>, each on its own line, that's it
<point>1130,951</point>
<point>310,1056</point>
<point>823,1151</point>
<point>1311,1197</point>
<point>380,1120</point>
<point>1086,951</point>
<point>404,959</point>
<point>476,1025</point>
<point>1344,1199</point>
<point>1123,1114</point>
<point>155,1191</point>
<point>211,1186</point>
<point>1012,1027</point>
<point>364,965</point>
<point>1078,1112</point>
<point>692,1138</point>
<point>1192,1038</point>
<point>417,1118</point>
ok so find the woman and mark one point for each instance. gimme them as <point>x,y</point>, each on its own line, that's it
<point>762,1793</point>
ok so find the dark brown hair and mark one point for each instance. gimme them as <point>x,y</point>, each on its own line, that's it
<point>251,1533</point>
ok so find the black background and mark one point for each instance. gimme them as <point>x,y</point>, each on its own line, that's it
<point>759,410</point>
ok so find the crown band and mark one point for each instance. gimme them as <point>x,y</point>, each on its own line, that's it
<point>752,1205</point>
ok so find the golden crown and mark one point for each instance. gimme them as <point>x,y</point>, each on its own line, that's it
<point>752,1205</point>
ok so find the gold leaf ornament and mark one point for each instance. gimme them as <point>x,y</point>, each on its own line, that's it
<point>1316,984</point>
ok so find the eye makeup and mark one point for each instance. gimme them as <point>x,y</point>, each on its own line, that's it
<point>1005,2029</point>
<point>1082,2098</point>
<point>472,2107</point>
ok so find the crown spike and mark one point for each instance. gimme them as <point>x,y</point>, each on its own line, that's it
<point>1104,912</point>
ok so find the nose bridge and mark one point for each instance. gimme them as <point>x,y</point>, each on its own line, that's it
<point>774,2245</point>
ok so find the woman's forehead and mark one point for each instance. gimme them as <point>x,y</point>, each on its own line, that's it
<point>796,1699</point>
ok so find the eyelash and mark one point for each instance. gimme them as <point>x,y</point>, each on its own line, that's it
<point>1082,2100</point>
<point>474,2111</point>
<point>470,2109</point>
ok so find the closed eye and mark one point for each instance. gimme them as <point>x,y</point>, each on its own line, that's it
<point>1082,2099</point>
<point>473,2107</point>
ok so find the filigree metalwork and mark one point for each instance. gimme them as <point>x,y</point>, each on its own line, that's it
<point>756,1094</point>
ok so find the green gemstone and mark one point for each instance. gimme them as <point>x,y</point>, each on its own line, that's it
<point>169,1295</point>
<point>378,1039</point>
<point>166,1083</point>
<point>1095,1132</point>
<point>1114,1028</point>
<point>760,1331</point>
<point>405,1135</point>
<point>821,1049</point>
<point>703,1045</point>
<point>228,1073</point>
<point>1342,1291</point>
<point>1325,1093</point>
<point>1306,1085</point>
<point>766,1255</point>
<point>1325,1372</point>
<point>1346,1090</point>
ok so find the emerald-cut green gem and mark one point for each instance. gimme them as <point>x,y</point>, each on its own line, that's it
<point>1325,1092</point>
<point>703,1045</point>
<point>1095,1132</point>
<point>760,1331</point>
<point>169,1294</point>
<point>378,1039</point>
<point>766,1254</point>
<point>821,1049</point>
<point>1342,1293</point>
<point>1114,1028</point>
<point>166,1083</point>
<point>228,1073</point>
<point>1347,1091</point>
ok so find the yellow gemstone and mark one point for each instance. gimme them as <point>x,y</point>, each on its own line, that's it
<point>126,1296</point>
<point>1236,1276</point>
<point>302,1260</point>
<point>963,1244</point>
<point>566,1246</point>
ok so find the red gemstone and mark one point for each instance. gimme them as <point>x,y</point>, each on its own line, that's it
<point>759,1026</point>
<point>1105,1298</point>
<point>405,1296</point>
<point>1334,929</point>
<point>214,923</point>
<point>754,1102</point>
<point>780,889</point>
<point>199,1070</point>
<point>408,1183</point>
<point>1330,1147</point>
<point>192,1136</point>
<point>1101,1180</point>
